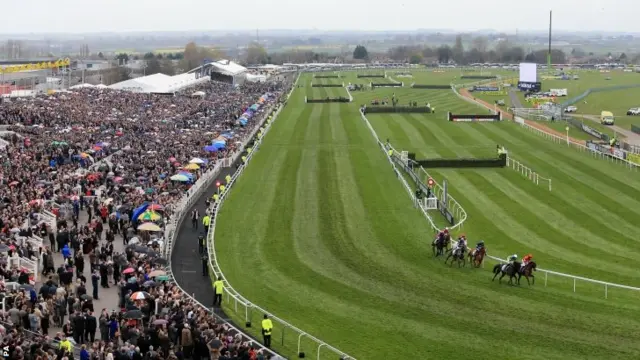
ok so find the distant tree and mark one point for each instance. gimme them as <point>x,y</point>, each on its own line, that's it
<point>458,51</point>
<point>444,54</point>
<point>122,58</point>
<point>153,66</point>
<point>148,56</point>
<point>360,53</point>
<point>480,43</point>
<point>100,55</point>
<point>159,56</point>
<point>136,57</point>
<point>415,58</point>
<point>256,54</point>
<point>622,58</point>
<point>577,52</point>
<point>167,67</point>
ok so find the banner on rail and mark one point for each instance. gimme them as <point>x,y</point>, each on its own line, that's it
<point>634,158</point>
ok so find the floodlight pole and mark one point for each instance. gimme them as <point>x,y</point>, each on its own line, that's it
<point>549,51</point>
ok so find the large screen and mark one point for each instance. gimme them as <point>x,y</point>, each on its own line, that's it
<point>528,72</point>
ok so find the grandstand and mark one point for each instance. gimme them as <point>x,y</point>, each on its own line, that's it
<point>222,70</point>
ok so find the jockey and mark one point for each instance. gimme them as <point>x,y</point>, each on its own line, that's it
<point>460,245</point>
<point>526,259</point>
<point>513,259</point>
<point>480,245</point>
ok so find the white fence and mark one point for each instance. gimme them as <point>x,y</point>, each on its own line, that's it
<point>232,296</point>
<point>527,172</point>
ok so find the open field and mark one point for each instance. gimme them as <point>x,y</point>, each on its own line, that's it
<point>319,231</point>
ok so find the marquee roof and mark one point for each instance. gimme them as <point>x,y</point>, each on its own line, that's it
<point>158,83</point>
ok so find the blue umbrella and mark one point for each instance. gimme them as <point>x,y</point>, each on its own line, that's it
<point>243,122</point>
<point>254,107</point>
<point>227,135</point>
<point>219,145</point>
<point>140,210</point>
<point>210,148</point>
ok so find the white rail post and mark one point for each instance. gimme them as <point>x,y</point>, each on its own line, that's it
<point>300,341</point>
<point>606,291</point>
<point>574,284</point>
<point>319,346</point>
<point>546,275</point>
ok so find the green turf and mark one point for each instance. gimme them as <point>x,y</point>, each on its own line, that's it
<point>319,231</point>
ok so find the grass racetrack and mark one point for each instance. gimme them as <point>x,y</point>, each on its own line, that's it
<point>319,231</point>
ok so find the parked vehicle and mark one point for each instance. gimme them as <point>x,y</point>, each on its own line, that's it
<point>606,118</point>
<point>571,109</point>
<point>633,111</point>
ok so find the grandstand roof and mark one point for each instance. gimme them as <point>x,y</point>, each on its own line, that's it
<point>158,83</point>
<point>228,67</point>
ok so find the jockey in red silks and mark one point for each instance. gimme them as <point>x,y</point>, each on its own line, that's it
<point>526,259</point>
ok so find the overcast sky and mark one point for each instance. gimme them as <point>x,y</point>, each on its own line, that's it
<point>148,15</point>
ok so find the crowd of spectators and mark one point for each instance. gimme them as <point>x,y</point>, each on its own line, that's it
<point>106,153</point>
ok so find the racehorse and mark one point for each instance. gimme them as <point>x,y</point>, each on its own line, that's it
<point>440,244</point>
<point>476,257</point>
<point>456,255</point>
<point>511,270</point>
<point>527,271</point>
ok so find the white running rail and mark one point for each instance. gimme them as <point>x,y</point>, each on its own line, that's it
<point>526,171</point>
<point>230,293</point>
<point>348,93</point>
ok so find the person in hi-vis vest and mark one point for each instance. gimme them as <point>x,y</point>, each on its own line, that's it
<point>218,287</point>
<point>206,221</point>
<point>267,328</point>
<point>227,179</point>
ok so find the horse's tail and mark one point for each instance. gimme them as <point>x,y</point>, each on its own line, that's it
<point>496,268</point>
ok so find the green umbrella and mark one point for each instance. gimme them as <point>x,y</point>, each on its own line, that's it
<point>149,191</point>
<point>162,278</point>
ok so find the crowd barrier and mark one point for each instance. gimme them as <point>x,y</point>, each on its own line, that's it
<point>360,76</point>
<point>635,129</point>
<point>500,161</point>
<point>241,305</point>
<point>326,76</point>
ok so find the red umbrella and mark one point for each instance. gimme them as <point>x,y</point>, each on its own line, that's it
<point>128,271</point>
<point>13,183</point>
<point>176,164</point>
<point>155,207</point>
<point>172,159</point>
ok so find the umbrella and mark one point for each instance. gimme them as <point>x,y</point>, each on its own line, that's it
<point>149,283</point>
<point>156,207</point>
<point>162,278</point>
<point>86,297</point>
<point>157,273</point>
<point>149,216</point>
<point>160,261</point>
<point>132,280</point>
<point>192,167</point>
<point>120,260</point>
<point>149,227</point>
<point>172,159</point>
<point>219,145</point>
<point>134,240</point>
<point>210,148</point>
<point>179,177</point>
<point>128,271</point>
<point>4,248</point>
<point>196,161</point>
<point>160,322</point>
<point>139,295</point>
<point>133,314</point>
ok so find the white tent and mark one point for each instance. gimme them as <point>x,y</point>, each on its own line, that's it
<point>159,83</point>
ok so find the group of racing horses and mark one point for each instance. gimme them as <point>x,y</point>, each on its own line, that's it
<point>515,270</point>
